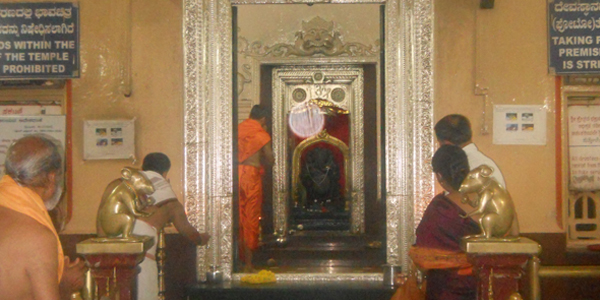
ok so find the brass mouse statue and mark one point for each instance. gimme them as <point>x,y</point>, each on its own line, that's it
<point>498,221</point>
<point>121,203</point>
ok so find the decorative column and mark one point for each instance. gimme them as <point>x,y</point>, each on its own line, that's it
<point>113,264</point>
<point>499,266</point>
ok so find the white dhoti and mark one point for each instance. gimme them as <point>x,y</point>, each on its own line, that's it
<point>148,276</point>
<point>147,280</point>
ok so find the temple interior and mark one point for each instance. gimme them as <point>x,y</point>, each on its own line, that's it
<point>327,204</point>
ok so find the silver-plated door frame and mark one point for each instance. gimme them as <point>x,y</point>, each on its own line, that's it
<point>208,169</point>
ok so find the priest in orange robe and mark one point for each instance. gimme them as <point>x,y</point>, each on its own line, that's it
<point>30,250</point>
<point>254,149</point>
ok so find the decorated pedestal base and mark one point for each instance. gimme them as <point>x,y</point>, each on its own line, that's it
<point>499,266</point>
<point>113,264</point>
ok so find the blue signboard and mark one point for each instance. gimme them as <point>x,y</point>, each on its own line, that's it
<point>39,40</point>
<point>574,36</point>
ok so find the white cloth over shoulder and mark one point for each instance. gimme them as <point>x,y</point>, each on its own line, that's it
<point>477,158</point>
<point>148,276</point>
<point>162,188</point>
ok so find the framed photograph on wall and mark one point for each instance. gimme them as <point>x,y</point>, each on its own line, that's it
<point>519,125</point>
<point>108,139</point>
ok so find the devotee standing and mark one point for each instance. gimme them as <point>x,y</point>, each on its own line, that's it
<point>165,209</point>
<point>437,247</point>
<point>456,130</point>
<point>32,265</point>
<point>254,143</point>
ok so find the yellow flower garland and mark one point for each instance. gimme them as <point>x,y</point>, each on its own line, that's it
<point>263,276</point>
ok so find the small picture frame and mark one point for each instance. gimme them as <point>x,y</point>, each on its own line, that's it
<point>109,139</point>
<point>519,125</point>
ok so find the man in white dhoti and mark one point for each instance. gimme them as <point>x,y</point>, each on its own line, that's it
<point>166,209</point>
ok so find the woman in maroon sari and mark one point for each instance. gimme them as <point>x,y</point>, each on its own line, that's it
<point>438,235</point>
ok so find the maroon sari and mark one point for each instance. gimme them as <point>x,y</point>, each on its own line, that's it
<point>442,228</point>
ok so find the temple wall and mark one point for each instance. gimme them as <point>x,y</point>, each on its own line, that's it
<point>156,98</point>
<point>503,49</point>
<point>505,52</point>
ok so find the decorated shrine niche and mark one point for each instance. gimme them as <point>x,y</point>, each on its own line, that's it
<point>319,181</point>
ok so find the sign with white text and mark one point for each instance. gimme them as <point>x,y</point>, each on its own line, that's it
<point>39,40</point>
<point>574,36</point>
<point>584,147</point>
<point>26,110</point>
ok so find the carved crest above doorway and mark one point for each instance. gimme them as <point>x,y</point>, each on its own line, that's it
<point>317,37</point>
<point>318,40</point>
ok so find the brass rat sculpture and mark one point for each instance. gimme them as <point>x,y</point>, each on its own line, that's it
<point>498,221</point>
<point>121,204</point>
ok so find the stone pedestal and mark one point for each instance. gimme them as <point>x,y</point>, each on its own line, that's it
<point>499,266</point>
<point>113,264</point>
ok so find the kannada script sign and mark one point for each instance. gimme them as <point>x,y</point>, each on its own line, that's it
<point>39,40</point>
<point>584,147</point>
<point>574,36</point>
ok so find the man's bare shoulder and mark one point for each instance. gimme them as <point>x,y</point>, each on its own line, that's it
<point>24,237</point>
<point>29,250</point>
<point>15,226</point>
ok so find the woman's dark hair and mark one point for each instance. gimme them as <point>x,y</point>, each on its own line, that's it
<point>452,164</point>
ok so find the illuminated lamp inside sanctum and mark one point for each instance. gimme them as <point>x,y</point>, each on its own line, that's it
<point>306,120</point>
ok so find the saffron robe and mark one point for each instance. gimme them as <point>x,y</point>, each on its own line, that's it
<point>25,201</point>
<point>251,138</point>
<point>438,250</point>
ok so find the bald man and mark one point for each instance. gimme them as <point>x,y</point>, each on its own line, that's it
<point>32,265</point>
